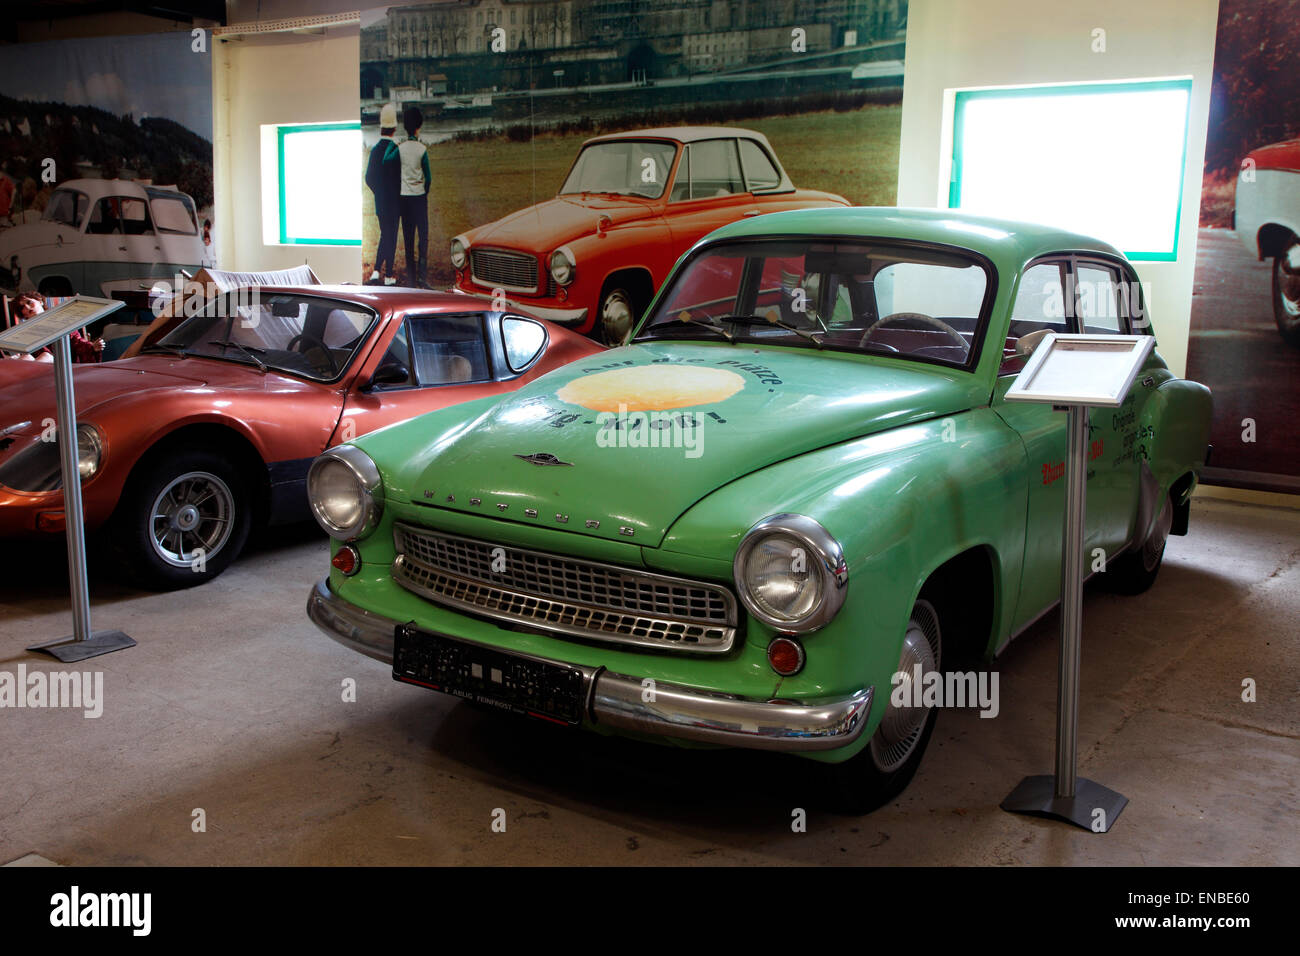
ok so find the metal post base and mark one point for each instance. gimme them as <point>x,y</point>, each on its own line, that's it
<point>69,649</point>
<point>1037,797</point>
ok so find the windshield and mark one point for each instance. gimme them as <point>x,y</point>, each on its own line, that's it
<point>66,206</point>
<point>870,297</point>
<point>628,167</point>
<point>303,335</point>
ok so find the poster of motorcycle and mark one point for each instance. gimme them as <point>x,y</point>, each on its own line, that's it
<point>1245,334</point>
<point>560,155</point>
<point>105,165</point>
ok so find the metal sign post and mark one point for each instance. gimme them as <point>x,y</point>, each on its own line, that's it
<point>1074,372</point>
<point>53,328</point>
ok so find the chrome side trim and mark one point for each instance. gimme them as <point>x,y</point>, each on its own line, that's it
<point>620,701</point>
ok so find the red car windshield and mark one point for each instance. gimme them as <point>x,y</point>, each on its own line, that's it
<point>905,301</point>
<point>303,335</point>
<point>626,167</point>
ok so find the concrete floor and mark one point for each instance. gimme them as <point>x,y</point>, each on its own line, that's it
<point>232,703</point>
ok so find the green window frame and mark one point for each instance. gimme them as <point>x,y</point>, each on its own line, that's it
<point>280,133</point>
<point>964,98</point>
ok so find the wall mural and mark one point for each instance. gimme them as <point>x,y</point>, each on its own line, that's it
<point>1245,334</point>
<point>105,166</point>
<point>475,114</point>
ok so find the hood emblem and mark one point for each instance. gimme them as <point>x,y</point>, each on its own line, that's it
<point>543,458</point>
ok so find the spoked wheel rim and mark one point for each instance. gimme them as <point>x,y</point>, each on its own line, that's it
<point>1153,548</point>
<point>1288,286</point>
<point>902,728</point>
<point>194,510</point>
<point>616,318</point>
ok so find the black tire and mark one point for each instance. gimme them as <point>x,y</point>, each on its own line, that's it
<point>619,310</point>
<point>1286,293</point>
<point>1134,571</point>
<point>208,504</point>
<point>885,766</point>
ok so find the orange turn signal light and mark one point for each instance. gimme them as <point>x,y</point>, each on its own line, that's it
<point>786,656</point>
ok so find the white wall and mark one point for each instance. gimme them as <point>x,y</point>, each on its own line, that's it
<point>279,78</point>
<point>953,44</point>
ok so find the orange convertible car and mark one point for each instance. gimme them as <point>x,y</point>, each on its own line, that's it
<point>183,447</point>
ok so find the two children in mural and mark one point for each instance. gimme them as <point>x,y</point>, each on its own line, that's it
<point>399,178</point>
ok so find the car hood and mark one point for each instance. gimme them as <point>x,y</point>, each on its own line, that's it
<point>542,227</point>
<point>623,443</point>
<point>31,235</point>
<point>25,396</point>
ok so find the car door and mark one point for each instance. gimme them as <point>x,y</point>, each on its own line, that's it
<point>119,234</point>
<point>1066,294</point>
<point>708,192</point>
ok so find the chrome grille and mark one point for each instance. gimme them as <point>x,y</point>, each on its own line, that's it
<point>581,598</point>
<point>509,270</point>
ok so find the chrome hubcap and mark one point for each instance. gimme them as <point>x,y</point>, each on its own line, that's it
<point>1289,280</point>
<point>193,511</point>
<point>616,317</point>
<point>901,728</point>
<point>1154,546</point>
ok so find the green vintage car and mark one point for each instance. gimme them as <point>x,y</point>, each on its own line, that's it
<point>796,489</point>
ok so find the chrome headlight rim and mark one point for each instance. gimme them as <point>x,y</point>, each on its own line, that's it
<point>90,451</point>
<point>369,488</point>
<point>459,252</point>
<point>825,556</point>
<point>568,270</point>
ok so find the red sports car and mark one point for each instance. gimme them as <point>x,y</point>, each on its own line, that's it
<point>183,447</point>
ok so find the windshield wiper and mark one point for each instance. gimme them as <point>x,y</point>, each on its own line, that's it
<point>159,347</point>
<point>243,348</point>
<point>686,317</point>
<point>773,320</point>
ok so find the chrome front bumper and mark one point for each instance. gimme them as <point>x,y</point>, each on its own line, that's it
<point>619,700</point>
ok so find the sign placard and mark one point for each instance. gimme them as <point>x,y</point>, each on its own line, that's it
<point>1095,370</point>
<point>38,332</point>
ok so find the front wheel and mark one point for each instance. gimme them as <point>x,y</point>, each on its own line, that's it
<point>181,521</point>
<point>1286,294</point>
<point>885,766</point>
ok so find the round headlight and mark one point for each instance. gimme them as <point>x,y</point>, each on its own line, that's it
<point>90,450</point>
<point>346,492</point>
<point>563,267</point>
<point>459,253</point>
<point>790,573</point>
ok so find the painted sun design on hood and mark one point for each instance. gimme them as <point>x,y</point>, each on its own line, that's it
<point>646,388</point>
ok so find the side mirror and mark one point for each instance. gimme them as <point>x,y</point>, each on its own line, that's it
<point>1026,344</point>
<point>392,373</point>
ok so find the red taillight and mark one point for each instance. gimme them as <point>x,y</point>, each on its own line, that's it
<point>346,559</point>
<point>785,654</point>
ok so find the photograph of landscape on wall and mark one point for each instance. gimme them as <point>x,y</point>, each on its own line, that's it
<point>1245,333</point>
<point>508,91</point>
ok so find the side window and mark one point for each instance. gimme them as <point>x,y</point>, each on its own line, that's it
<point>682,184</point>
<point>448,349</point>
<point>523,340</point>
<point>760,174</point>
<point>715,168</point>
<point>397,355</point>
<point>119,214</point>
<point>174,216</point>
<point>1039,306</point>
<point>1098,301</point>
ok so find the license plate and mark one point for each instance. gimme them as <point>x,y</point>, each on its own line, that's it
<point>496,678</point>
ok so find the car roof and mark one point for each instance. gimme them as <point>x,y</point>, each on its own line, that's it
<point>683,134</point>
<point>1008,243</point>
<point>385,297</point>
